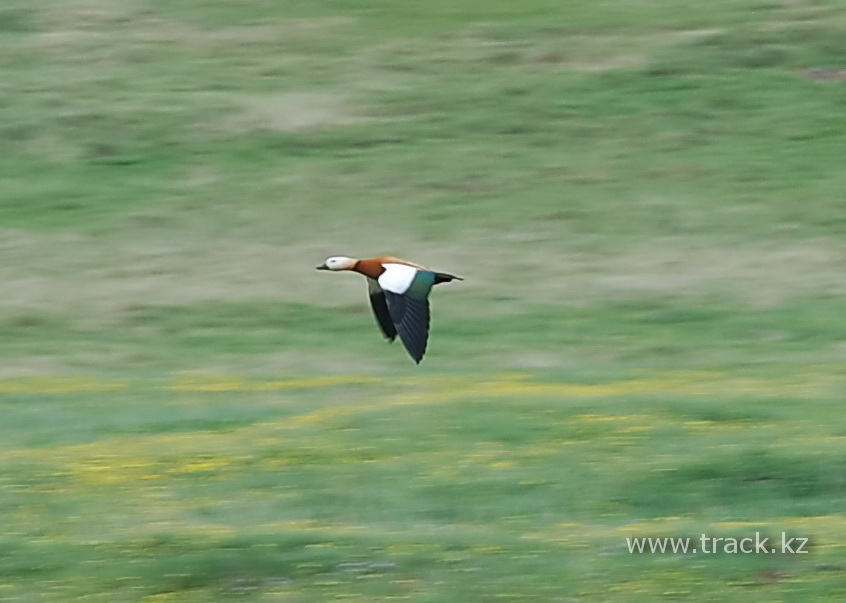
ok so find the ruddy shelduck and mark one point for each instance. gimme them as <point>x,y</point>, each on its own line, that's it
<point>399,295</point>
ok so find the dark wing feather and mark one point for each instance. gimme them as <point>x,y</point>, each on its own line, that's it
<point>411,318</point>
<point>380,309</point>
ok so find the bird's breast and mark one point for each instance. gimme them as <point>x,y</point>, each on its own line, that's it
<point>371,268</point>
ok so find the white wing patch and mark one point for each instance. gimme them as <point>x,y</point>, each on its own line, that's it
<point>397,278</point>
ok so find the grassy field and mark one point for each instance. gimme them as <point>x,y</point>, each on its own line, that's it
<point>645,199</point>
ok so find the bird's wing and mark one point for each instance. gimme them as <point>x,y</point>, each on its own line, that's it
<point>380,309</point>
<point>410,315</point>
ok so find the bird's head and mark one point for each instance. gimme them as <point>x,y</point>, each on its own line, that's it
<point>338,262</point>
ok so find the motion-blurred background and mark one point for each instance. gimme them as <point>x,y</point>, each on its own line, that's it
<point>646,200</point>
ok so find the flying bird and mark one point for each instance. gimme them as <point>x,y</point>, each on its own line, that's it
<point>399,295</point>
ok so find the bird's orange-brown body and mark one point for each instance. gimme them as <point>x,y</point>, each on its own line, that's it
<point>375,267</point>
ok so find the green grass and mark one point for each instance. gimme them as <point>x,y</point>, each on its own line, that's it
<point>645,201</point>
<point>315,490</point>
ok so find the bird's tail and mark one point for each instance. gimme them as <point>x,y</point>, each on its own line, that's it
<point>443,277</point>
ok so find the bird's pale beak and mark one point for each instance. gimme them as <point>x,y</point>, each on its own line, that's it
<point>323,267</point>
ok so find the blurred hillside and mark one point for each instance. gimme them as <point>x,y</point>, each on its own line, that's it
<point>202,156</point>
<point>645,199</point>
